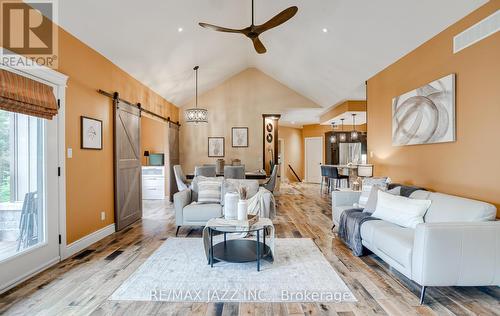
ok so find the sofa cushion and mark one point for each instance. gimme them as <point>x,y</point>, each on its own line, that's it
<point>395,242</point>
<point>401,210</point>
<point>209,191</point>
<point>371,204</point>
<point>368,229</point>
<point>450,208</point>
<point>368,183</point>
<point>195,212</point>
<point>194,185</point>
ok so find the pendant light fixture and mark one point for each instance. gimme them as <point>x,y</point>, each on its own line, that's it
<point>196,115</point>
<point>342,136</point>
<point>333,138</point>
<point>354,133</point>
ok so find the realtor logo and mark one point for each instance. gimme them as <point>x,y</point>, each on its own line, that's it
<point>29,29</point>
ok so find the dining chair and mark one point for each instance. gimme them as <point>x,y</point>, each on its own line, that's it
<point>206,171</point>
<point>271,183</point>
<point>234,172</point>
<point>180,178</point>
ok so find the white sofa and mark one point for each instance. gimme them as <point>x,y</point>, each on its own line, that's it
<point>458,245</point>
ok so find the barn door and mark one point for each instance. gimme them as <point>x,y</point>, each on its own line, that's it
<point>172,142</point>
<point>128,190</point>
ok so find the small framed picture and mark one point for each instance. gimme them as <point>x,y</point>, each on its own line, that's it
<point>91,133</point>
<point>239,136</point>
<point>216,147</point>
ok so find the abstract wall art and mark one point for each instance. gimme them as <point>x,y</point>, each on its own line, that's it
<point>90,133</point>
<point>425,115</point>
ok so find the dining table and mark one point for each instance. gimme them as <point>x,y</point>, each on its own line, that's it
<point>249,175</point>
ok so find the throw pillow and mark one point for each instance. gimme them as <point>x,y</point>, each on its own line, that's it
<point>194,185</point>
<point>400,210</point>
<point>368,183</point>
<point>209,191</point>
<point>371,204</point>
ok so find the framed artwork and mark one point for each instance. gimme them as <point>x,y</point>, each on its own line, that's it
<point>216,147</point>
<point>91,133</point>
<point>239,136</point>
<point>425,115</point>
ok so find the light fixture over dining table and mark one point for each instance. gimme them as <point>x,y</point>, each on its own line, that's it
<point>196,115</point>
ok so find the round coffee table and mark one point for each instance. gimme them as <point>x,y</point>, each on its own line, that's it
<point>238,250</point>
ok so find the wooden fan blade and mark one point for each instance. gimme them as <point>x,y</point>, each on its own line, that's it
<point>278,19</point>
<point>259,47</point>
<point>219,28</point>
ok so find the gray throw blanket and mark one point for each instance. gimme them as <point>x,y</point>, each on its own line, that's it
<point>350,228</point>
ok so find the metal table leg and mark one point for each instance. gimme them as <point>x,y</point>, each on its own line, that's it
<point>258,250</point>
<point>211,248</point>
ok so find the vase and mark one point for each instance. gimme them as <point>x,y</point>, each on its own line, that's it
<point>242,210</point>
<point>231,205</point>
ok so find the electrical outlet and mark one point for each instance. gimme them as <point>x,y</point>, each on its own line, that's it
<point>103,215</point>
<point>70,152</point>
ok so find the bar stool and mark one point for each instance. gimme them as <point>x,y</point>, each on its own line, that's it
<point>324,174</point>
<point>334,175</point>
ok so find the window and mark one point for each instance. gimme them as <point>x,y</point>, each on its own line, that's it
<point>21,182</point>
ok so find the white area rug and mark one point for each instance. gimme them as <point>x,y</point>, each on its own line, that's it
<point>178,272</point>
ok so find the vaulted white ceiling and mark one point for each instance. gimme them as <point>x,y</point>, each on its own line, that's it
<point>364,37</point>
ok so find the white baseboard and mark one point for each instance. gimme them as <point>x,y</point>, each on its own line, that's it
<point>88,240</point>
<point>29,274</point>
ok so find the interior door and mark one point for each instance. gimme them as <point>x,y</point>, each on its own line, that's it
<point>128,186</point>
<point>314,158</point>
<point>29,209</point>
<point>172,143</point>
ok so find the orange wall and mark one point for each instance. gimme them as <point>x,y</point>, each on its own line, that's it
<point>89,174</point>
<point>470,166</point>
<point>294,151</point>
<point>153,134</point>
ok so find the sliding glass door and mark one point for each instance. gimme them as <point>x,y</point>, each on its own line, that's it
<point>29,212</point>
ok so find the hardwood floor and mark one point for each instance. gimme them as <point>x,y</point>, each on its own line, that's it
<point>82,284</point>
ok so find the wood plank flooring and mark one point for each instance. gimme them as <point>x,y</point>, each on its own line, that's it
<point>82,284</point>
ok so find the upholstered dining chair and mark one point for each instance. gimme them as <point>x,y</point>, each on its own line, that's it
<point>271,183</point>
<point>206,171</point>
<point>180,178</point>
<point>234,172</point>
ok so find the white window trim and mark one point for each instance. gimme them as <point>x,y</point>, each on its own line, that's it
<point>60,80</point>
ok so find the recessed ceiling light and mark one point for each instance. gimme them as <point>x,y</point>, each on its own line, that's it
<point>325,30</point>
<point>180,29</point>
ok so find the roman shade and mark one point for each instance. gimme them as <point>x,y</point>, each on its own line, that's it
<point>27,96</point>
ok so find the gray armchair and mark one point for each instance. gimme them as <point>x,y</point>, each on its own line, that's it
<point>234,172</point>
<point>188,213</point>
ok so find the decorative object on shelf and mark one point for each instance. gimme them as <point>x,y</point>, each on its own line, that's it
<point>146,154</point>
<point>354,133</point>
<point>425,115</point>
<point>269,138</point>
<point>269,127</point>
<point>196,115</point>
<point>333,138</point>
<point>342,136</point>
<point>243,203</point>
<point>216,147</point>
<point>91,133</point>
<point>219,166</point>
<point>236,162</point>
<point>231,205</point>
<point>239,136</point>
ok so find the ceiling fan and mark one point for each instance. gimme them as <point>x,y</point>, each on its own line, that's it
<point>253,31</point>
